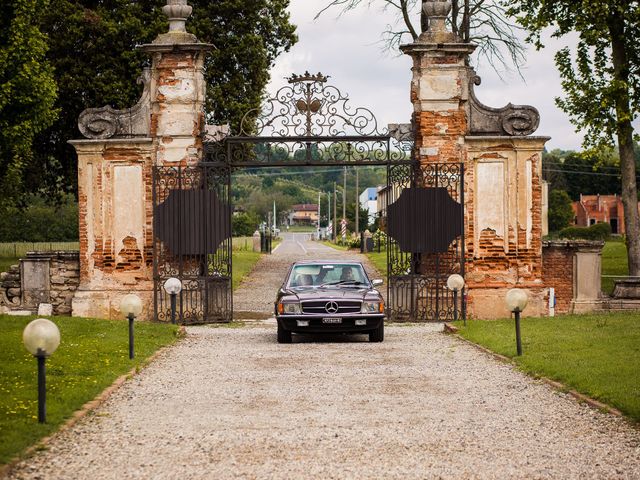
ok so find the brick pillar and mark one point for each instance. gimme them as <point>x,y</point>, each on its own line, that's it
<point>503,182</point>
<point>115,169</point>
<point>439,94</point>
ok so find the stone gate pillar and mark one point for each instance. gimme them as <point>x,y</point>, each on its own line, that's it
<point>115,169</point>
<point>503,171</point>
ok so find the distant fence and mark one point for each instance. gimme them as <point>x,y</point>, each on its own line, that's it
<point>242,243</point>
<point>20,249</point>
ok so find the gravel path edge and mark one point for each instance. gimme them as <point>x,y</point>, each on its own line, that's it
<point>87,408</point>
<point>561,387</point>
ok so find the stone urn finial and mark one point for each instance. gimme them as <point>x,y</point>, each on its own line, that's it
<point>178,12</point>
<point>437,11</point>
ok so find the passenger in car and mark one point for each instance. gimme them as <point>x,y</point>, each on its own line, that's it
<point>305,280</point>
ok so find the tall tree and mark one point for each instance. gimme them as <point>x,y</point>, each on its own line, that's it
<point>601,82</point>
<point>27,92</point>
<point>92,47</point>
<point>482,22</point>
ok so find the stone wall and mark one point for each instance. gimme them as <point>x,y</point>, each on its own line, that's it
<point>573,269</point>
<point>41,277</point>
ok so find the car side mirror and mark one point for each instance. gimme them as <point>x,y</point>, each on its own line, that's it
<point>377,283</point>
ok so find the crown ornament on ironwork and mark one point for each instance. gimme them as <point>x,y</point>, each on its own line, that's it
<point>437,11</point>
<point>178,11</point>
<point>307,77</point>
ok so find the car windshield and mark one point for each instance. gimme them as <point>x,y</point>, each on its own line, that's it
<point>323,275</point>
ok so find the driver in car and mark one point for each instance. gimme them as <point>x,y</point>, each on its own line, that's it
<point>347,274</point>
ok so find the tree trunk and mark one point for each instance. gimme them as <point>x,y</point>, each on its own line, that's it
<point>424,21</point>
<point>625,144</point>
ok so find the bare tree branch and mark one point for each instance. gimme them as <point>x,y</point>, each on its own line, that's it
<point>484,22</point>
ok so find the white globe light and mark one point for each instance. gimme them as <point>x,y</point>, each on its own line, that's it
<point>516,299</point>
<point>455,282</point>
<point>41,337</point>
<point>131,305</point>
<point>173,286</point>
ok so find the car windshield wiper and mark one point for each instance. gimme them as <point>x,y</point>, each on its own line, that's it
<point>343,282</point>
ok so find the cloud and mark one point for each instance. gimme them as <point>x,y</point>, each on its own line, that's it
<point>347,47</point>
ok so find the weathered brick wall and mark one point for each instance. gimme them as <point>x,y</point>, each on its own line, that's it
<point>557,268</point>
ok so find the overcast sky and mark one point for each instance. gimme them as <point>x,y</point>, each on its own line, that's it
<point>348,49</point>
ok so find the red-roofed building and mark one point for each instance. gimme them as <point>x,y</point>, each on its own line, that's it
<point>592,209</point>
<point>304,214</point>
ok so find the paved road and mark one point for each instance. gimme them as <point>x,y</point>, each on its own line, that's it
<point>233,403</point>
<point>254,298</point>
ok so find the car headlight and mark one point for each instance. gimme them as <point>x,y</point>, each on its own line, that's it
<point>372,307</point>
<point>289,308</point>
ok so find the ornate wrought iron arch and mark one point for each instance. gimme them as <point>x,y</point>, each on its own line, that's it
<point>309,122</point>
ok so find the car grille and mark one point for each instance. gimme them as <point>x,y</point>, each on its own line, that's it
<point>318,307</point>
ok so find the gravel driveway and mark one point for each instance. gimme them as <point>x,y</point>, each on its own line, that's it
<point>232,403</point>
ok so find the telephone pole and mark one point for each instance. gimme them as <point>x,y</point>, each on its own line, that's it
<point>357,204</point>
<point>319,199</point>
<point>344,194</point>
<point>335,211</point>
<point>329,214</point>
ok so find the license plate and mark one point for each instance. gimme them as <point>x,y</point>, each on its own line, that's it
<point>331,320</point>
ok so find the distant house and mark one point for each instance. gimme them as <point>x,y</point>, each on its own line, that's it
<point>304,214</point>
<point>369,201</point>
<point>592,209</point>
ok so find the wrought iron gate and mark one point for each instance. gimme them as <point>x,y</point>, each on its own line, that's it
<point>425,228</point>
<point>308,123</point>
<point>192,241</point>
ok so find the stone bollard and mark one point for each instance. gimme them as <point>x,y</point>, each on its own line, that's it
<point>256,242</point>
<point>367,241</point>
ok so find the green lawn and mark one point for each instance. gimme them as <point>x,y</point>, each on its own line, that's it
<point>597,355</point>
<point>298,229</point>
<point>91,356</point>
<point>614,262</point>
<point>6,262</point>
<point>379,260</point>
<point>335,245</point>
<point>243,262</point>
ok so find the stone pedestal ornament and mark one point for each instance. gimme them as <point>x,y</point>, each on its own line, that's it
<point>178,12</point>
<point>437,13</point>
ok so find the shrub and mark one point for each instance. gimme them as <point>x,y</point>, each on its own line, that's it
<point>41,222</point>
<point>599,231</point>
<point>560,211</point>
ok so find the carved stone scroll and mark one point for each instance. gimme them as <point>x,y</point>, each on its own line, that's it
<point>107,122</point>
<point>512,120</point>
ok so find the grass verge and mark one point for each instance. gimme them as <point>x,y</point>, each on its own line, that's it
<point>379,261</point>
<point>6,262</point>
<point>91,356</point>
<point>344,248</point>
<point>597,355</point>
<point>243,263</point>
<point>614,262</point>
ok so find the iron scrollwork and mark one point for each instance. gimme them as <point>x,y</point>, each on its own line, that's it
<point>309,106</point>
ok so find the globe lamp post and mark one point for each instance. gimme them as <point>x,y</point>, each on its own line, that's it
<point>41,338</point>
<point>173,286</point>
<point>455,282</point>
<point>516,300</point>
<point>131,307</point>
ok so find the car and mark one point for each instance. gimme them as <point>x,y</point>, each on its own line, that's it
<point>329,297</point>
